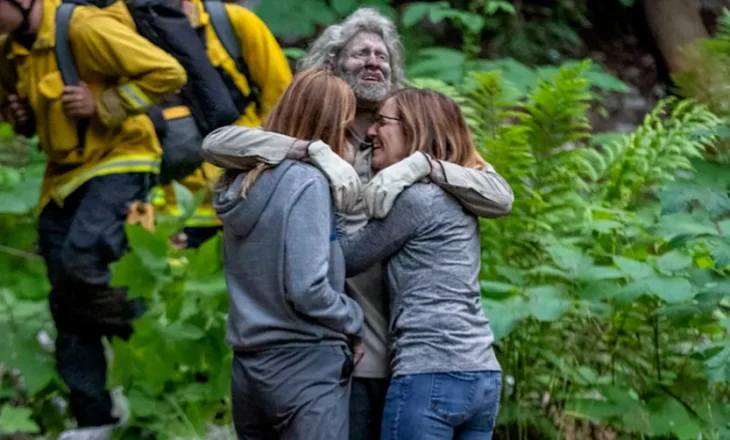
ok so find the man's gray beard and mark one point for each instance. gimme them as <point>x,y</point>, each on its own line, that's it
<point>367,95</point>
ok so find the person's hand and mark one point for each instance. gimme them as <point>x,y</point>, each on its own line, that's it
<point>344,181</point>
<point>380,193</point>
<point>358,352</point>
<point>16,110</point>
<point>179,241</point>
<point>298,150</point>
<point>79,101</point>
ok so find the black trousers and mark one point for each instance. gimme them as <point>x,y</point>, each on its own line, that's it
<point>78,242</point>
<point>367,402</point>
<point>199,235</point>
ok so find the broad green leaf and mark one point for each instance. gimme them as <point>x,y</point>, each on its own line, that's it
<point>294,53</point>
<point>685,224</point>
<point>669,417</point>
<point>22,199</point>
<point>439,12</point>
<point>514,72</point>
<point>505,315</point>
<point>495,289</point>
<point>598,273</point>
<point>599,290</point>
<point>718,366</point>
<point>382,6</point>
<point>151,247</point>
<point>417,11</point>
<point>439,62</point>
<point>144,406</point>
<point>586,375</point>
<point>473,22</point>
<point>682,313</point>
<point>720,251</point>
<point>343,7</point>
<point>679,196</point>
<point>633,268</point>
<point>20,349</point>
<point>515,275</point>
<point>593,409</point>
<point>605,226</point>
<point>6,130</point>
<point>211,286</point>
<point>183,331</point>
<point>673,261</point>
<point>566,258</point>
<point>193,392</point>
<point>671,290</point>
<point>549,271</point>
<point>17,420</point>
<point>208,259</point>
<point>131,272</point>
<point>492,6</point>
<point>548,303</point>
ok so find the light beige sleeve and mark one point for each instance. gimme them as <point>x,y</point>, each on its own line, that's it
<point>481,191</point>
<point>235,147</point>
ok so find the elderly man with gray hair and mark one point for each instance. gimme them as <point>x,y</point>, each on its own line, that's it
<point>365,51</point>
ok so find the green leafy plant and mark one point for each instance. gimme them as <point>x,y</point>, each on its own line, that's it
<point>705,79</point>
<point>602,258</point>
<point>607,287</point>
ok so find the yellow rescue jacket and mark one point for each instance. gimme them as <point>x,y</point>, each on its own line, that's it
<point>126,73</point>
<point>267,66</point>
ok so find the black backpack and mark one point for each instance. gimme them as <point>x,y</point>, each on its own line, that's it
<point>205,94</point>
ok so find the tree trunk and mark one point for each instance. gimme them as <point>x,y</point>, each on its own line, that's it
<point>674,24</point>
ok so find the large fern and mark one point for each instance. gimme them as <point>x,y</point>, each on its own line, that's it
<point>532,144</point>
<point>670,136</point>
<point>557,327</point>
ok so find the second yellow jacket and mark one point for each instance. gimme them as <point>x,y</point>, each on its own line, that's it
<point>267,66</point>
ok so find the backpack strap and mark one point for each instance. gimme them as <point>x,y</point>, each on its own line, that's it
<point>64,57</point>
<point>224,30</point>
<point>66,63</point>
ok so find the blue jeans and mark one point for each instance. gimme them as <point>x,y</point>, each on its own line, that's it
<point>435,406</point>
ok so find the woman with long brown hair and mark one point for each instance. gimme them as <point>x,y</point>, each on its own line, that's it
<point>446,380</point>
<point>290,324</point>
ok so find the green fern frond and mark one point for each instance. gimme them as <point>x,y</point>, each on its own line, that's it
<point>673,133</point>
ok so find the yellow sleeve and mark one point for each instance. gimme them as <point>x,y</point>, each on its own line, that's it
<point>266,62</point>
<point>105,45</point>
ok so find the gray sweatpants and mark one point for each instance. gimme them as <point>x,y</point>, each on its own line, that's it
<point>292,393</point>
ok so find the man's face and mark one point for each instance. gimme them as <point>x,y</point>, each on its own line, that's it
<point>365,66</point>
<point>10,17</point>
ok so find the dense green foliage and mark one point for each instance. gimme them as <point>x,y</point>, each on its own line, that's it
<point>606,287</point>
<point>606,284</point>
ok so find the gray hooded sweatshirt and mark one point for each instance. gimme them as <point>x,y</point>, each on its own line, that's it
<point>283,265</point>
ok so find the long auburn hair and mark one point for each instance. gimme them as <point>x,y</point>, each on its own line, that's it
<point>434,124</point>
<point>317,105</point>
